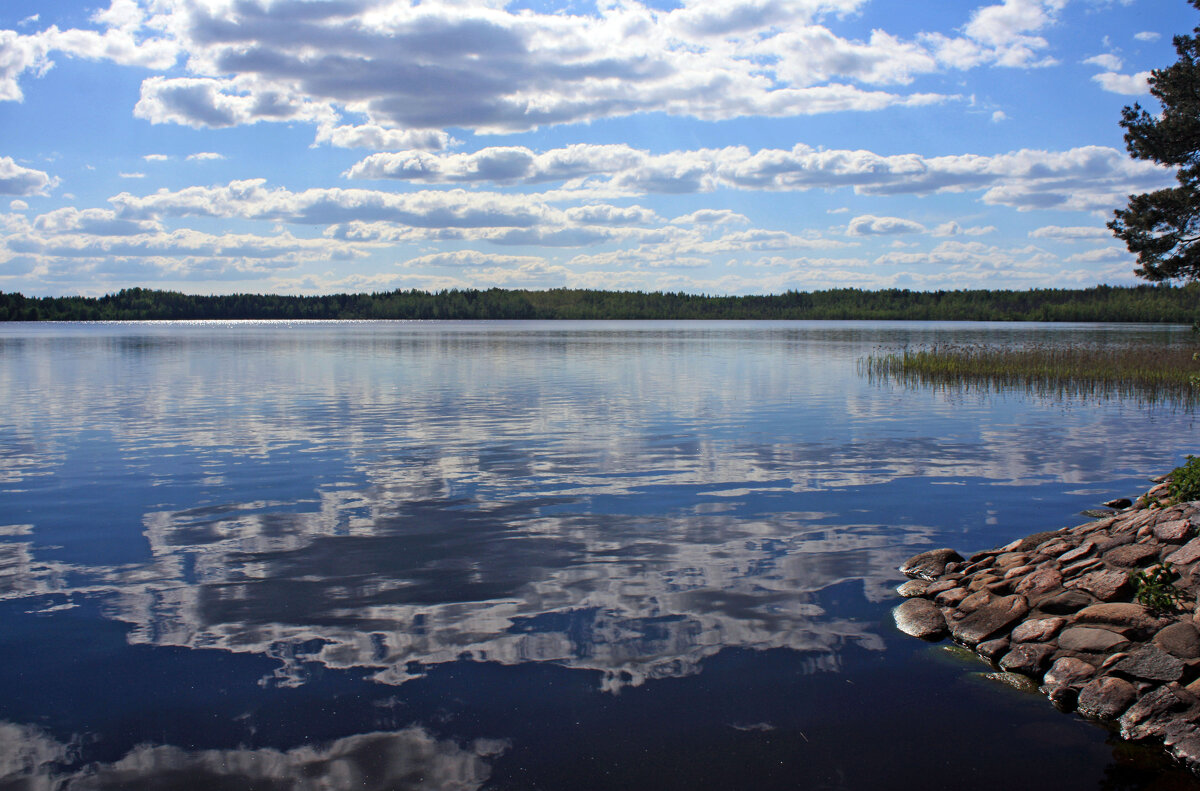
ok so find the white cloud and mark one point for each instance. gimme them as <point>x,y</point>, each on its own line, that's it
<point>1107,61</point>
<point>1074,233</point>
<point>1147,35</point>
<point>999,116</point>
<point>870,225</point>
<point>712,217</point>
<point>381,139</point>
<point>23,181</point>
<point>156,157</point>
<point>1125,84</point>
<point>18,205</point>
<point>204,156</point>
<point>132,175</point>
<point>472,259</point>
<point>954,229</point>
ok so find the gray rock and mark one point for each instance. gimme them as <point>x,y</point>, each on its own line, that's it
<point>1033,541</point>
<point>1039,582</point>
<point>930,565</point>
<point>1104,585</point>
<point>1027,658</point>
<point>1038,629</point>
<point>1105,698</point>
<point>920,618</point>
<point>1131,555</point>
<point>1188,553</point>
<point>913,588</point>
<point>1122,613</point>
<point>941,586</point>
<point>1065,603</point>
<point>1146,718</point>
<point>1150,663</point>
<point>952,597</point>
<point>990,649</point>
<point>1090,640</point>
<point>1067,671</point>
<point>1179,639</point>
<point>1062,696</point>
<point>1120,502</point>
<point>989,619</point>
<point>1096,513</point>
<point>1113,540</point>
<point>1187,752</point>
<point>1078,552</point>
<point>974,601</point>
<point>1080,566</point>
<point>1176,530</point>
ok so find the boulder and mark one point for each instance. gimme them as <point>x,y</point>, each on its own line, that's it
<point>941,586</point>
<point>1105,698</point>
<point>1089,640</point>
<point>1067,671</point>
<point>1122,613</point>
<point>1174,531</point>
<point>930,565</point>
<point>1037,629</point>
<point>989,619</point>
<point>1040,581</point>
<point>1119,503</point>
<point>1027,658</point>
<point>1081,551</point>
<point>1132,555</point>
<point>1105,585</point>
<point>1147,717</point>
<point>952,597</point>
<point>913,588</point>
<point>1180,639</point>
<point>920,618</point>
<point>991,649</point>
<point>1188,553</point>
<point>1150,663</point>
<point>1065,603</point>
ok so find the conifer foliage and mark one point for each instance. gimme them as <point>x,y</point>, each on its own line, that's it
<point>1163,228</point>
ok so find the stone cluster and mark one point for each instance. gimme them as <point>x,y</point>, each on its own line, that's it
<point>1061,608</point>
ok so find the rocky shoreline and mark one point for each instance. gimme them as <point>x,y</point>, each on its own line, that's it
<point>1068,609</point>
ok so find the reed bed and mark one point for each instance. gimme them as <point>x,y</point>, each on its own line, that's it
<point>1147,374</point>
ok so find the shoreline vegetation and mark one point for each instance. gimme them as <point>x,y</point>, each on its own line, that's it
<point>1143,303</point>
<point>1148,374</point>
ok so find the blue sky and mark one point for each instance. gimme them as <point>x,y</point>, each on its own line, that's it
<point>712,146</point>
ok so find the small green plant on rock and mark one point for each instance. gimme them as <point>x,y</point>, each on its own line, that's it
<point>1154,588</point>
<point>1185,481</point>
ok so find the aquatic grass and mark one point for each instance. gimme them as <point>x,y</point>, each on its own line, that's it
<point>1145,373</point>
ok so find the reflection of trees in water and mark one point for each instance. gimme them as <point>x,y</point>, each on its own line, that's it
<point>369,582</point>
<point>31,760</point>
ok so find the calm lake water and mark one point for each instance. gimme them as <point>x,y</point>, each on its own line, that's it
<point>595,555</point>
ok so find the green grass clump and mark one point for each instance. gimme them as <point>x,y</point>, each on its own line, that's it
<point>1146,373</point>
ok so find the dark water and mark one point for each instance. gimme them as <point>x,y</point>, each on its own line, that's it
<point>524,556</point>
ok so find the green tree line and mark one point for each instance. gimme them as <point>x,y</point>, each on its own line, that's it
<point>1144,303</point>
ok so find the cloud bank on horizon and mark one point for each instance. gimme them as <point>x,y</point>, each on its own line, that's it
<point>716,146</point>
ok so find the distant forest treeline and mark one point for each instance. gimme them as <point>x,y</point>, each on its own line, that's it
<point>1158,303</point>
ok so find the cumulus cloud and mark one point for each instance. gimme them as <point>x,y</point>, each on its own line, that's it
<point>1074,233</point>
<point>1089,176</point>
<point>1125,84</point>
<point>870,225</point>
<point>460,259</point>
<point>1107,61</point>
<point>954,229</point>
<point>411,70</point>
<point>18,180</point>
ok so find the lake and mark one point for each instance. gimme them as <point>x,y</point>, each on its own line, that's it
<point>527,555</point>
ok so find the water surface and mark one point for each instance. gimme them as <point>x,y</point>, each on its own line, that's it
<point>516,555</point>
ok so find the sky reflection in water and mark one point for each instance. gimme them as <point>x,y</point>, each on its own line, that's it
<point>456,544</point>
